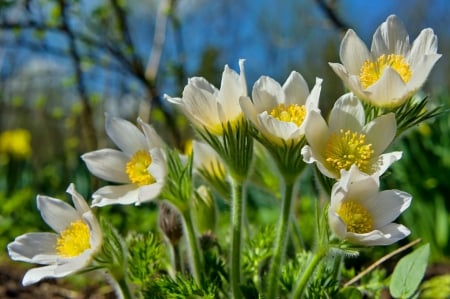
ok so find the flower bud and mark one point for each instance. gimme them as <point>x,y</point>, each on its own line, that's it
<point>170,223</point>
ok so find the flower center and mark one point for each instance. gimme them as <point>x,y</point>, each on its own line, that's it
<point>73,240</point>
<point>371,71</point>
<point>344,149</point>
<point>137,168</point>
<point>356,217</point>
<point>292,113</point>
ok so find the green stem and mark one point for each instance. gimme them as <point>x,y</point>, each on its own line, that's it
<point>280,240</point>
<point>125,288</point>
<point>307,273</point>
<point>237,216</point>
<point>193,247</point>
<point>177,258</point>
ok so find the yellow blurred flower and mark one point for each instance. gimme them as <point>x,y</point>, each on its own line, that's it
<point>16,142</point>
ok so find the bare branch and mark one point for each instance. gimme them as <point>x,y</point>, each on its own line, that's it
<point>329,10</point>
<point>87,121</point>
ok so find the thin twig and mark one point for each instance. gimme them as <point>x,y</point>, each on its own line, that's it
<point>91,139</point>
<point>330,12</point>
<point>380,261</point>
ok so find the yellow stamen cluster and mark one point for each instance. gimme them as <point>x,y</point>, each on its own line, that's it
<point>344,149</point>
<point>292,113</point>
<point>356,217</point>
<point>137,168</point>
<point>371,71</point>
<point>73,240</point>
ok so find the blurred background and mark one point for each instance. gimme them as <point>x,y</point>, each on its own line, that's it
<point>64,63</point>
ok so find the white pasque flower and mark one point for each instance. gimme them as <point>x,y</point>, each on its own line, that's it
<point>139,166</point>
<point>362,215</point>
<point>210,108</point>
<point>78,237</point>
<point>280,112</point>
<point>393,70</point>
<point>347,140</point>
<point>207,161</point>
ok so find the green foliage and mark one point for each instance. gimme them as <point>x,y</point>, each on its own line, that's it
<point>423,172</point>
<point>145,257</point>
<point>409,272</point>
<point>178,187</point>
<point>165,287</point>
<point>437,287</point>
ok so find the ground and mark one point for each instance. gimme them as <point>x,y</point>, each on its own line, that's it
<point>10,287</point>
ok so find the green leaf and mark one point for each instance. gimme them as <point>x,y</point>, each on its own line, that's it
<point>350,293</point>
<point>409,272</point>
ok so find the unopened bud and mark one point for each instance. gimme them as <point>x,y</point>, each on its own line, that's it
<point>170,223</point>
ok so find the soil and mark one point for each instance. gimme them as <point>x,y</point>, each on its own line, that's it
<point>11,287</point>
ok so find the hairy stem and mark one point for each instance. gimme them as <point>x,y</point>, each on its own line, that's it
<point>237,214</point>
<point>280,240</point>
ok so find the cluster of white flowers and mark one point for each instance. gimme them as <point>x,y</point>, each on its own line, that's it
<point>349,148</point>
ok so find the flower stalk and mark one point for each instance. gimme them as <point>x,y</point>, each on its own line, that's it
<point>237,215</point>
<point>193,247</point>
<point>307,273</point>
<point>281,239</point>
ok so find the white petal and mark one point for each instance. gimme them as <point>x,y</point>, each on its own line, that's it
<point>37,274</point>
<point>67,266</point>
<point>107,164</point>
<point>125,135</point>
<point>78,201</point>
<point>387,235</point>
<point>266,94</point>
<point>390,38</point>
<point>340,70</point>
<point>389,91</point>
<point>152,137</point>
<point>353,52</point>
<point>381,132</point>
<point>387,206</point>
<point>249,110</point>
<point>424,44</point>
<point>34,248</point>
<point>385,161</point>
<point>108,195</point>
<point>359,185</point>
<point>242,78</point>
<point>277,129</point>
<point>203,84</point>
<point>96,236</point>
<point>230,88</point>
<point>310,156</point>
<point>149,192</point>
<point>312,101</point>
<point>56,213</point>
<point>421,69</point>
<point>158,167</point>
<point>337,226</point>
<point>201,106</point>
<point>347,114</point>
<point>174,100</point>
<point>316,130</point>
<point>295,89</point>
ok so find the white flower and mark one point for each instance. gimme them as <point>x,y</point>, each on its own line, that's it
<point>139,166</point>
<point>279,113</point>
<point>78,237</point>
<point>362,215</point>
<point>393,70</point>
<point>211,108</point>
<point>347,140</point>
<point>207,161</point>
